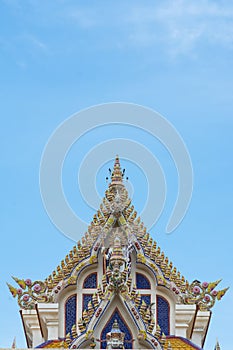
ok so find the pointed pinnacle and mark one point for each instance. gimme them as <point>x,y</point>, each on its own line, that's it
<point>116,177</point>
<point>12,289</point>
<point>221,293</point>
<point>212,285</point>
<point>20,282</point>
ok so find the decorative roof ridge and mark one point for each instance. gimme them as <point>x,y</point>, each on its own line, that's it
<point>154,253</point>
<point>203,294</point>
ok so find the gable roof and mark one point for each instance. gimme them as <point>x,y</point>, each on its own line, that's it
<point>117,219</point>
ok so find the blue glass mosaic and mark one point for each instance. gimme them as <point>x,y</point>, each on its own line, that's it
<point>146,298</point>
<point>70,313</point>
<point>123,327</point>
<point>90,281</point>
<point>86,299</point>
<point>142,281</point>
<point>163,314</point>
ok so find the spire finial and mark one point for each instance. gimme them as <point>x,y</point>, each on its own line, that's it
<point>217,346</point>
<point>116,173</point>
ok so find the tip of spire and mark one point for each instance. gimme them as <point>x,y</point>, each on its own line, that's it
<point>217,346</point>
<point>116,178</point>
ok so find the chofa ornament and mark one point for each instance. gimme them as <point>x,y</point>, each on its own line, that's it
<point>30,293</point>
<point>203,294</point>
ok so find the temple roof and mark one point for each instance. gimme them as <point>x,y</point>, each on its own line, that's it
<point>116,211</point>
<point>116,225</point>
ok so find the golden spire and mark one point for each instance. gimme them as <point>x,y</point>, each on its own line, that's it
<point>116,178</point>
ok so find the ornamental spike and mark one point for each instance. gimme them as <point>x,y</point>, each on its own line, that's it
<point>68,339</point>
<point>163,339</point>
<point>20,282</point>
<point>217,346</point>
<point>221,293</point>
<point>12,289</point>
<point>158,331</point>
<point>212,285</point>
<point>74,332</point>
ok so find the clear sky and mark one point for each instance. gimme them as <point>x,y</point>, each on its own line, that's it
<point>58,57</point>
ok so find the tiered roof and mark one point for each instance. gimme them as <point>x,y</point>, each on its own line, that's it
<point>116,223</point>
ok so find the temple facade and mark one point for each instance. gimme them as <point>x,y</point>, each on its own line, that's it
<point>116,289</point>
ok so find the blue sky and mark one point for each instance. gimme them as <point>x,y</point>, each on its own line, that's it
<point>59,57</point>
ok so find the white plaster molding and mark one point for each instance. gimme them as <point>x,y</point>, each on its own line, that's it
<point>200,327</point>
<point>184,315</point>
<point>32,326</point>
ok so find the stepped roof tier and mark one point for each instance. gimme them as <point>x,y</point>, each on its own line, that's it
<point>117,279</point>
